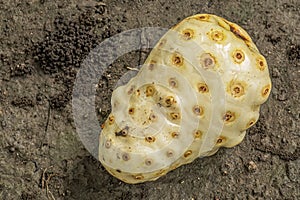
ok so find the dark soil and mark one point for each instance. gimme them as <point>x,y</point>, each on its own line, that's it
<point>42,45</point>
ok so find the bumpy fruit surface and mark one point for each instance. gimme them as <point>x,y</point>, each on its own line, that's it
<point>200,88</point>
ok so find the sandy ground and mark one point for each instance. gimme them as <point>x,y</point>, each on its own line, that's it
<point>42,44</point>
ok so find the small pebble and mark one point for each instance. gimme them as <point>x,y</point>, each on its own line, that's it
<point>251,166</point>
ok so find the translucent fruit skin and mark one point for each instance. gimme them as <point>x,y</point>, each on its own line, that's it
<point>200,88</point>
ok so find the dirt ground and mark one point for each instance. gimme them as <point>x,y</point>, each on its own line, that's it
<point>42,44</point>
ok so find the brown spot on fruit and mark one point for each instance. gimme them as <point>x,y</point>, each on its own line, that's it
<point>119,171</point>
<point>216,35</point>
<point>151,65</point>
<point>169,101</point>
<point>221,140</point>
<point>150,139</point>
<point>162,42</point>
<point>198,110</point>
<point>203,17</point>
<point>152,117</point>
<point>123,132</point>
<point>131,111</point>
<point>261,63</point>
<point>150,90</point>
<point>236,88</point>
<point>229,116</point>
<point>148,162</point>
<point>238,56</point>
<point>187,153</point>
<point>125,157</point>
<point>202,87</point>
<point>129,92</point>
<point>138,177</point>
<point>175,116</point>
<point>188,34</point>
<point>207,61</point>
<point>174,134</point>
<point>173,83</point>
<point>108,143</point>
<point>177,59</point>
<point>170,153</point>
<point>138,92</point>
<point>111,120</point>
<point>251,123</point>
<point>198,134</point>
<point>236,91</point>
<point>266,90</point>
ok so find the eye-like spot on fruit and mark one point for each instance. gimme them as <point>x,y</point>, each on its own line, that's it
<point>175,116</point>
<point>207,61</point>
<point>236,88</point>
<point>251,123</point>
<point>188,34</point>
<point>162,42</point>
<point>173,83</point>
<point>202,17</point>
<point>150,139</point>
<point>148,162</point>
<point>138,92</point>
<point>108,143</point>
<point>169,101</point>
<point>138,177</point>
<point>198,134</point>
<point>177,59</point>
<point>131,111</point>
<point>129,92</point>
<point>198,110</point>
<point>229,116</point>
<point>175,134</point>
<point>221,140</point>
<point>202,88</point>
<point>261,63</point>
<point>123,132</point>
<point>216,35</point>
<point>125,157</point>
<point>266,90</point>
<point>151,65</point>
<point>187,153</point>
<point>152,117</point>
<point>150,91</point>
<point>111,120</point>
<point>170,153</point>
<point>238,56</point>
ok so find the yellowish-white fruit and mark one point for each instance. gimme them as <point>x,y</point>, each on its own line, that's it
<point>200,88</point>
